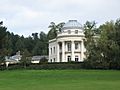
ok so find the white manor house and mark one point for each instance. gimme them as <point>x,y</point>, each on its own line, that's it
<point>69,44</point>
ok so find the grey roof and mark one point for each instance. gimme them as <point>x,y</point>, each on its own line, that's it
<point>15,57</point>
<point>39,57</point>
<point>72,24</point>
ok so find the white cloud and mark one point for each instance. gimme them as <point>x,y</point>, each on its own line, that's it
<point>25,17</point>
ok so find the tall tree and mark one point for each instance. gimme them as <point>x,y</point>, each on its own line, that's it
<point>54,29</point>
<point>25,58</point>
<point>8,44</point>
<point>20,45</point>
<point>35,36</point>
<point>2,41</point>
<point>2,35</point>
<point>90,42</point>
<point>43,37</point>
<point>29,44</point>
<point>109,43</point>
<point>60,25</point>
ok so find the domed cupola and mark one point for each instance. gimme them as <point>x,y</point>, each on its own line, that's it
<point>72,24</point>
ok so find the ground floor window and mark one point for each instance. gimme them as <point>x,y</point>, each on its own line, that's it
<point>60,57</point>
<point>76,58</point>
<point>54,59</point>
<point>69,58</point>
<point>50,60</point>
<point>51,50</point>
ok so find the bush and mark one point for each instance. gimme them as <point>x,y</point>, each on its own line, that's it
<point>100,65</point>
<point>47,66</point>
<point>2,67</point>
<point>56,66</point>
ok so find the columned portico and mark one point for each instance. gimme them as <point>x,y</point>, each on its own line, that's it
<point>58,52</point>
<point>73,46</point>
<point>63,51</point>
<point>68,45</point>
<point>82,50</point>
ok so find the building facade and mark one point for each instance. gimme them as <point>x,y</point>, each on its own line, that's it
<point>69,44</point>
<point>37,59</point>
<point>13,59</point>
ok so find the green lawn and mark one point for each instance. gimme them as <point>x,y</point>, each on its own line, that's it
<point>60,80</point>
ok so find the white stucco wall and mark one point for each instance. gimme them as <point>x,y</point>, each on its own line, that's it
<point>67,35</point>
<point>52,55</point>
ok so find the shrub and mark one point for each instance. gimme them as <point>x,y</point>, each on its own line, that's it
<point>47,66</point>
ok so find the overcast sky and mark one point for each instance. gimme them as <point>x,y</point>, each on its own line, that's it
<point>24,17</point>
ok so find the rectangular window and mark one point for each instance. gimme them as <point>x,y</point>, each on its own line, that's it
<point>76,31</point>
<point>76,58</point>
<point>69,58</point>
<point>60,46</point>
<point>54,50</point>
<point>76,45</point>
<point>50,60</point>
<point>51,50</point>
<point>69,46</point>
<point>54,59</point>
<point>69,31</point>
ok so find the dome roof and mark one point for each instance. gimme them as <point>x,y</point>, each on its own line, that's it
<point>72,24</point>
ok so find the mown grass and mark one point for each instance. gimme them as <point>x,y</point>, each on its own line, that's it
<point>60,80</point>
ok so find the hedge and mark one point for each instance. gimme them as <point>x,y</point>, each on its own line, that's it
<point>46,66</point>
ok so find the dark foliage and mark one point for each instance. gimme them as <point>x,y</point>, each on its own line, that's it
<point>46,66</point>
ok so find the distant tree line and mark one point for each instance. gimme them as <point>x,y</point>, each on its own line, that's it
<point>35,44</point>
<point>102,43</point>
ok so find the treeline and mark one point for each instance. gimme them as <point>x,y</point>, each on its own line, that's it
<point>102,45</point>
<point>35,44</point>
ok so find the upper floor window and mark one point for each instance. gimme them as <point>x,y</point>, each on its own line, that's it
<point>69,31</point>
<point>54,50</point>
<point>76,31</point>
<point>68,46</point>
<point>51,50</point>
<point>76,45</point>
<point>60,46</point>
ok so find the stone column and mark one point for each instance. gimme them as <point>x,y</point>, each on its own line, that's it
<point>73,49</point>
<point>63,51</point>
<point>82,50</point>
<point>7,63</point>
<point>49,54</point>
<point>58,53</point>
